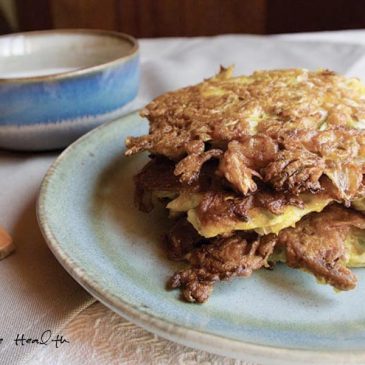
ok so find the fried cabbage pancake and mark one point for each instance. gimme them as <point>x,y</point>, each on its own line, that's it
<point>253,170</point>
<point>211,224</point>
<point>324,244</point>
<point>225,108</point>
<point>289,128</point>
<point>223,259</point>
<point>354,245</point>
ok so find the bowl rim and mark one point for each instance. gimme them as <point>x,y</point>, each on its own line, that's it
<point>79,71</point>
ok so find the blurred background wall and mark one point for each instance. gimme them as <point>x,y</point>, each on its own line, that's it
<point>8,17</point>
<point>157,18</point>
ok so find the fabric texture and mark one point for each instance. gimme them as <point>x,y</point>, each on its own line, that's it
<point>37,294</point>
<point>103,337</point>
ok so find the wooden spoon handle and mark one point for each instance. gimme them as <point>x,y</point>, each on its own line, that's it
<point>6,244</point>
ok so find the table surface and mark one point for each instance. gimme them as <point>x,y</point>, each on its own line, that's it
<point>46,297</point>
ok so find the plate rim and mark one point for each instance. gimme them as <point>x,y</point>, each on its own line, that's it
<point>181,334</point>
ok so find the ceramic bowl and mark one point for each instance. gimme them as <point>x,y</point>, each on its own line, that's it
<point>56,85</point>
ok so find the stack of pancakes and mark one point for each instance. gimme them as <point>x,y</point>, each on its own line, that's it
<point>258,169</point>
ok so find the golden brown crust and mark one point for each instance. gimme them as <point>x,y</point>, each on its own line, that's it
<point>243,159</point>
<point>188,169</point>
<point>289,127</point>
<point>218,208</point>
<point>223,259</point>
<point>316,244</point>
<point>297,170</point>
<point>224,108</point>
<point>306,156</point>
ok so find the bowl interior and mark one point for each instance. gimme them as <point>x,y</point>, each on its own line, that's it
<point>53,52</point>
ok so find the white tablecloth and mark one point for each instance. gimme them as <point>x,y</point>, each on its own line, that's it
<point>36,294</point>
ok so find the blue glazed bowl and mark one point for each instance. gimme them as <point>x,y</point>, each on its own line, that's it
<point>57,85</point>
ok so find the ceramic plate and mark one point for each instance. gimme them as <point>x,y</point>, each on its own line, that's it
<point>87,216</point>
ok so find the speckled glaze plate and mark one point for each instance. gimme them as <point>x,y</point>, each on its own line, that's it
<point>87,216</point>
